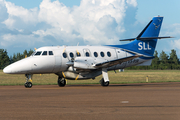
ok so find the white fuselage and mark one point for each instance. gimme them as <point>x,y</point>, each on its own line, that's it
<point>57,62</point>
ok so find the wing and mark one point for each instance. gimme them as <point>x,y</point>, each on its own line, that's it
<point>114,62</point>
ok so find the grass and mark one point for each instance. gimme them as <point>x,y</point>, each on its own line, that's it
<point>128,76</point>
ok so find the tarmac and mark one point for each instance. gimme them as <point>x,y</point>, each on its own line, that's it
<point>142,101</point>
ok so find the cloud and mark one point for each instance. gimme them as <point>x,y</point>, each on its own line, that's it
<point>176,43</point>
<point>172,43</point>
<point>3,13</point>
<point>93,22</point>
<point>132,2</point>
<point>172,30</point>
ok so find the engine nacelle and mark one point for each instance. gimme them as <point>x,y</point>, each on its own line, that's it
<point>84,63</point>
<point>87,62</point>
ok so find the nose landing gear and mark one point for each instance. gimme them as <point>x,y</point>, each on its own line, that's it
<point>28,83</point>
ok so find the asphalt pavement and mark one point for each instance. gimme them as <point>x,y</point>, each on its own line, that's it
<point>142,101</point>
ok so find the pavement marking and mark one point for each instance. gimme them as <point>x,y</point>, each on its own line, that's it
<point>124,101</point>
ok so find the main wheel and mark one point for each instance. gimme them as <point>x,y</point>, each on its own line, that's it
<point>104,83</point>
<point>61,82</point>
<point>28,84</point>
<point>25,85</point>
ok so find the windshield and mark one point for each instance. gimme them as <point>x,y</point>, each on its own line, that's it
<point>38,53</point>
<point>44,53</point>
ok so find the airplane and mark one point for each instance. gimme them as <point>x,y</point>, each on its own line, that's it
<point>88,62</point>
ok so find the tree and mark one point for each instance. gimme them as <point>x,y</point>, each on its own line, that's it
<point>173,57</point>
<point>163,57</point>
<point>14,59</point>
<point>173,60</point>
<point>4,58</point>
<point>164,61</point>
<point>155,61</point>
<point>30,52</point>
<point>25,53</point>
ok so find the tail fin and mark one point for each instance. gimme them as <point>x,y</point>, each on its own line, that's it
<point>152,29</point>
<point>145,42</point>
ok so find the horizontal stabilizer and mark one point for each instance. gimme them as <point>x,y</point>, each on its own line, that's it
<point>146,38</point>
<point>128,39</point>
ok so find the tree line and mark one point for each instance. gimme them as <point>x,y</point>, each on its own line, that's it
<point>162,62</point>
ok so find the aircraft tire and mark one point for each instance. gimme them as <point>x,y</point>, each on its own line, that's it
<point>61,82</point>
<point>25,85</point>
<point>104,84</point>
<point>29,84</point>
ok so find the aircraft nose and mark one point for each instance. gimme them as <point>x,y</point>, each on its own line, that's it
<point>20,67</point>
<point>7,70</point>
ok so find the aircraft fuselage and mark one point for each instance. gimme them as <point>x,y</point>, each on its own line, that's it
<point>57,62</point>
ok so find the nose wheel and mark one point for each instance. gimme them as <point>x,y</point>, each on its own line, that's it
<point>28,83</point>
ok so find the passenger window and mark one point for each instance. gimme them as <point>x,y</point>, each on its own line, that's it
<point>78,54</point>
<point>71,54</point>
<point>95,54</point>
<point>64,55</point>
<point>87,54</point>
<point>44,53</point>
<point>50,53</point>
<point>102,54</point>
<point>108,54</point>
<point>38,53</point>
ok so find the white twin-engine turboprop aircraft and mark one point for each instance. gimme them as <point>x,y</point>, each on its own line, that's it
<point>88,62</point>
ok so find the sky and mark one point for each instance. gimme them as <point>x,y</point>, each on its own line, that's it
<point>29,24</point>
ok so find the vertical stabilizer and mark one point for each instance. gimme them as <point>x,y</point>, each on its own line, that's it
<point>152,29</point>
<point>145,42</point>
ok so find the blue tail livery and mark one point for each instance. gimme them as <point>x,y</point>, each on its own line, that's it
<point>145,42</point>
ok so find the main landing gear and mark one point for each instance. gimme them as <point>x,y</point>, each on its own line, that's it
<point>28,83</point>
<point>105,80</point>
<point>61,82</point>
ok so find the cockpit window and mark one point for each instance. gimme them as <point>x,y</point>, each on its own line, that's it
<point>50,53</point>
<point>38,53</point>
<point>44,53</point>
